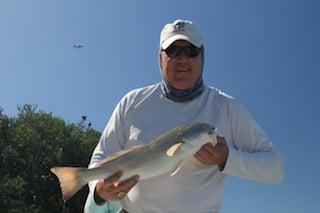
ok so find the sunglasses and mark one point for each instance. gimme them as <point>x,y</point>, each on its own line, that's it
<point>175,51</point>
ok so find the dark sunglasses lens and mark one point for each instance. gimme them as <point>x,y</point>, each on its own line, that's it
<point>174,51</point>
<point>171,51</point>
<point>193,51</point>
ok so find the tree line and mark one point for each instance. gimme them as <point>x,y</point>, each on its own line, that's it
<point>31,143</point>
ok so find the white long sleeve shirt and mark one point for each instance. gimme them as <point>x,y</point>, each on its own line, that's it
<point>143,114</point>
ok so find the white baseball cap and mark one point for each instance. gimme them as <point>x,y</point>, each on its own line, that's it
<point>180,30</point>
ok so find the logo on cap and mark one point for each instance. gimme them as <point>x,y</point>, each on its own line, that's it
<point>179,26</point>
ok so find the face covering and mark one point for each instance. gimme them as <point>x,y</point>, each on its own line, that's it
<point>185,95</point>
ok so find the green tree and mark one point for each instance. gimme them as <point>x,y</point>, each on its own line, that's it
<point>30,144</point>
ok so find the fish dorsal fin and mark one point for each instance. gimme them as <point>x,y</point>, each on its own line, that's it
<point>173,149</point>
<point>176,169</point>
<point>115,155</point>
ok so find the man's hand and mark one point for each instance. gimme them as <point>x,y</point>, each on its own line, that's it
<point>209,154</point>
<point>112,189</point>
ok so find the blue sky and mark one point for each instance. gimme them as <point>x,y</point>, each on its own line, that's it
<point>264,53</point>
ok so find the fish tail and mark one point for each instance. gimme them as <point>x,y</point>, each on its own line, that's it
<point>70,180</point>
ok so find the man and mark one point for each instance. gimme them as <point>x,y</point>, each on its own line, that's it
<point>243,149</point>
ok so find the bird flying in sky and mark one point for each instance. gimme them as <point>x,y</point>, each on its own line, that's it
<point>77,46</point>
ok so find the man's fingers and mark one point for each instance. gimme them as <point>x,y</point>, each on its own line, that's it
<point>126,185</point>
<point>110,188</point>
<point>200,158</point>
<point>100,184</point>
<point>208,149</point>
<point>205,154</point>
<point>111,180</point>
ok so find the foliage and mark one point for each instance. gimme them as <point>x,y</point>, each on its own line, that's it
<point>30,144</point>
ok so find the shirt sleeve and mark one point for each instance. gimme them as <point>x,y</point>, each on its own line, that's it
<point>251,153</point>
<point>108,206</point>
<point>112,140</point>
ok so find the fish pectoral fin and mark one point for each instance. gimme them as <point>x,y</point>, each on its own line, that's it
<point>176,169</point>
<point>173,149</point>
